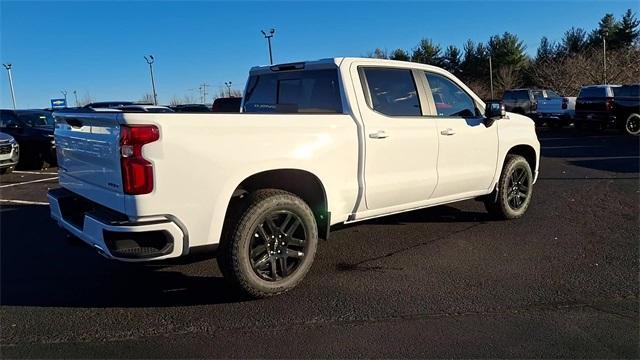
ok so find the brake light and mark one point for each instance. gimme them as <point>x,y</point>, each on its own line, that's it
<point>565,103</point>
<point>137,172</point>
<point>609,104</point>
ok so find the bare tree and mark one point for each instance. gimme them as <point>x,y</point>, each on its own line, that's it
<point>147,98</point>
<point>86,99</point>
<point>567,74</point>
<point>224,92</point>
<point>480,88</point>
<point>186,99</point>
<point>507,78</point>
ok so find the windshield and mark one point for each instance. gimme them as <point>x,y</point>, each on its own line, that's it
<point>37,118</point>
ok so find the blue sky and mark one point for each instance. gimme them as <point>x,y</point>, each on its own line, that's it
<point>97,48</point>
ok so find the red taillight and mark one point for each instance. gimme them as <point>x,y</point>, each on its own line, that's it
<point>610,104</point>
<point>565,103</point>
<point>137,172</point>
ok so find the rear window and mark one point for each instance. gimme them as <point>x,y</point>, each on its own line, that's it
<point>311,91</point>
<point>37,118</point>
<point>593,92</point>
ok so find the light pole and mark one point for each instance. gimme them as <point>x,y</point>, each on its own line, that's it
<point>150,61</point>
<point>64,93</point>
<point>491,76</point>
<point>75,94</point>
<point>13,95</point>
<point>604,55</point>
<point>228,85</point>
<point>268,36</point>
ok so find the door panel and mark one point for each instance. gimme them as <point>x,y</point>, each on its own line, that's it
<point>401,145</point>
<point>468,149</point>
<point>467,158</point>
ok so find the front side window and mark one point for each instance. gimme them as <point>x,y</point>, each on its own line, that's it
<point>449,98</point>
<point>393,91</point>
<point>306,91</point>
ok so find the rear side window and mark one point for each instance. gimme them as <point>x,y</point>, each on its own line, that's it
<point>537,94</point>
<point>393,92</point>
<point>522,95</point>
<point>593,92</point>
<point>508,95</point>
<point>627,91</point>
<point>312,91</point>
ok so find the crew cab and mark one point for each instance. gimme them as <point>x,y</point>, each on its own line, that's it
<point>317,143</point>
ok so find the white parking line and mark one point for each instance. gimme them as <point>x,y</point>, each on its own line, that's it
<point>28,182</point>
<point>24,202</point>
<point>34,172</point>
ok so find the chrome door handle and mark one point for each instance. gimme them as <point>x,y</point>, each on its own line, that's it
<point>448,132</point>
<point>380,134</point>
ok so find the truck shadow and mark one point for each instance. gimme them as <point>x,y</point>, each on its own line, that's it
<point>39,267</point>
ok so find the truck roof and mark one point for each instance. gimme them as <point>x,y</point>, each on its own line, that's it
<point>334,62</point>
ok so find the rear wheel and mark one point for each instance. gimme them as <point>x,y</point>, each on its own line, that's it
<point>513,192</point>
<point>273,244</point>
<point>632,125</point>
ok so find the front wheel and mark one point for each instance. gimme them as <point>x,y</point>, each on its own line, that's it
<point>513,192</point>
<point>632,125</point>
<point>273,244</point>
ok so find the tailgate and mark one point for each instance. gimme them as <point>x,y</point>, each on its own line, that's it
<point>550,105</point>
<point>88,153</point>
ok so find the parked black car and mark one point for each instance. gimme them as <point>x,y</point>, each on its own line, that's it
<point>33,130</point>
<point>227,105</point>
<point>626,105</point>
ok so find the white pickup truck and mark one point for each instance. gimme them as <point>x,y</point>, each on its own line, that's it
<point>317,143</point>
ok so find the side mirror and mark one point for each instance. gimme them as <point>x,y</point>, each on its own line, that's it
<point>12,125</point>
<point>493,111</point>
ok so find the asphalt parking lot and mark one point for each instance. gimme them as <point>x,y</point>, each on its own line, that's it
<point>443,282</point>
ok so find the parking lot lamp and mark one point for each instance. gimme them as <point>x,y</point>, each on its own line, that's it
<point>268,35</point>
<point>150,61</point>
<point>13,94</point>
<point>228,85</point>
<point>64,93</point>
<point>491,76</point>
<point>75,94</point>
<point>604,56</point>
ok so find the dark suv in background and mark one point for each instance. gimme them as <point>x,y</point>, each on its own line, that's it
<point>626,107</point>
<point>603,106</point>
<point>33,130</point>
<point>525,101</point>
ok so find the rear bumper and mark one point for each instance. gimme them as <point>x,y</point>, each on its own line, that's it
<point>113,234</point>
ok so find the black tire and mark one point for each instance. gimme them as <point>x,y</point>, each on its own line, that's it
<point>512,196</point>
<point>243,253</point>
<point>632,125</point>
<point>7,170</point>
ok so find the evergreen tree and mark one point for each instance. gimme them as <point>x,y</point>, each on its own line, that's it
<point>452,62</point>
<point>507,50</point>
<point>607,29</point>
<point>574,41</point>
<point>427,53</point>
<point>400,54</point>
<point>627,34</point>
<point>546,50</point>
